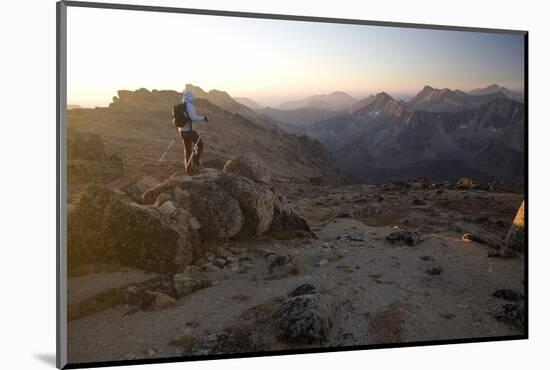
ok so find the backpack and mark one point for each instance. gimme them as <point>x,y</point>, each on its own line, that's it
<point>180,117</point>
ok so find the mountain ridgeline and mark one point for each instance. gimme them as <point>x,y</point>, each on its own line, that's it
<point>439,134</point>
<point>137,126</point>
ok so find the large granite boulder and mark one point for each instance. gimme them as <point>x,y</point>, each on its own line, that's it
<point>228,205</point>
<point>248,168</point>
<point>106,225</point>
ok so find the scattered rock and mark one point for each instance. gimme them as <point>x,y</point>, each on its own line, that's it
<point>434,271</point>
<point>167,208</point>
<point>134,186</point>
<point>508,295</point>
<point>303,289</point>
<point>304,319</point>
<point>190,280</point>
<point>185,340</point>
<point>481,220</point>
<point>411,238</point>
<point>467,237</point>
<point>511,313</point>
<point>418,202</point>
<point>283,266</point>
<point>322,263</point>
<point>162,300</point>
<point>241,297</point>
<point>344,215</point>
<point>210,267</point>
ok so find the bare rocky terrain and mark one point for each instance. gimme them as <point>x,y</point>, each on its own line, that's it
<point>257,253</point>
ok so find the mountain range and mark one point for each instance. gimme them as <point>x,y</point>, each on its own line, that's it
<point>336,101</point>
<point>440,134</point>
<point>494,88</point>
<point>446,100</point>
<point>386,140</point>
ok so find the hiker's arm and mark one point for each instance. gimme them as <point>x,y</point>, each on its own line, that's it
<point>193,114</point>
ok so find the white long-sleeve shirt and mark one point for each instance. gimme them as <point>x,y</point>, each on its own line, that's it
<point>188,98</point>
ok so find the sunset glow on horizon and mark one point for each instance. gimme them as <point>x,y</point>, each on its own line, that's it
<point>271,61</point>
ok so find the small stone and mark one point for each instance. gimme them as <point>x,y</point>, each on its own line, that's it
<point>322,263</point>
<point>220,262</point>
<point>195,224</point>
<point>467,237</point>
<point>434,271</point>
<point>162,301</point>
<point>232,259</point>
<point>210,267</point>
<point>167,208</point>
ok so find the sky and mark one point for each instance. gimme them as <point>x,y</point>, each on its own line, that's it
<point>271,61</point>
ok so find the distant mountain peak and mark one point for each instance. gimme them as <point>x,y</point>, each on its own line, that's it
<point>382,96</point>
<point>334,101</point>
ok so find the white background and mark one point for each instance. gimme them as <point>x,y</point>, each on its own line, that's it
<point>27,182</point>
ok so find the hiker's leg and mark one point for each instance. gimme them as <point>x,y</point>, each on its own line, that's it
<point>197,156</point>
<point>187,148</point>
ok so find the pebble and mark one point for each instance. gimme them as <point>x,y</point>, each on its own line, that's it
<point>322,262</point>
<point>210,267</point>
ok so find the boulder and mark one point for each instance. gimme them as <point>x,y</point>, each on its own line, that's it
<point>226,205</point>
<point>284,217</point>
<point>256,202</point>
<point>282,266</point>
<point>84,146</point>
<point>515,240</point>
<point>247,167</point>
<point>303,289</point>
<point>304,320</point>
<point>107,226</point>
<point>85,171</point>
<point>189,280</point>
<point>215,209</point>
<point>135,185</point>
<point>411,238</point>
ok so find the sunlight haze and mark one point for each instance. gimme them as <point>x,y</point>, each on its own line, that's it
<point>271,61</point>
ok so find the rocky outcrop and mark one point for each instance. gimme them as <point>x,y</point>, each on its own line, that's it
<point>515,240</point>
<point>87,161</point>
<point>107,226</point>
<point>135,185</point>
<point>227,205</point>
<point>175,220</point>
<point>89,147</point>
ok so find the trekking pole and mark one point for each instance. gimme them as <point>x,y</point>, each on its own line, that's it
<point>167,149</point>
<point>195,149</point>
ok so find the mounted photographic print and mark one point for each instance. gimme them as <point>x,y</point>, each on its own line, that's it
<point>240,184</point>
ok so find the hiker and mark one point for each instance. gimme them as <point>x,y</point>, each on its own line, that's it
<point>184,116</point>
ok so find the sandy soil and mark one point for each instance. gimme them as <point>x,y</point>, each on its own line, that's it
<point>384,292</point>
